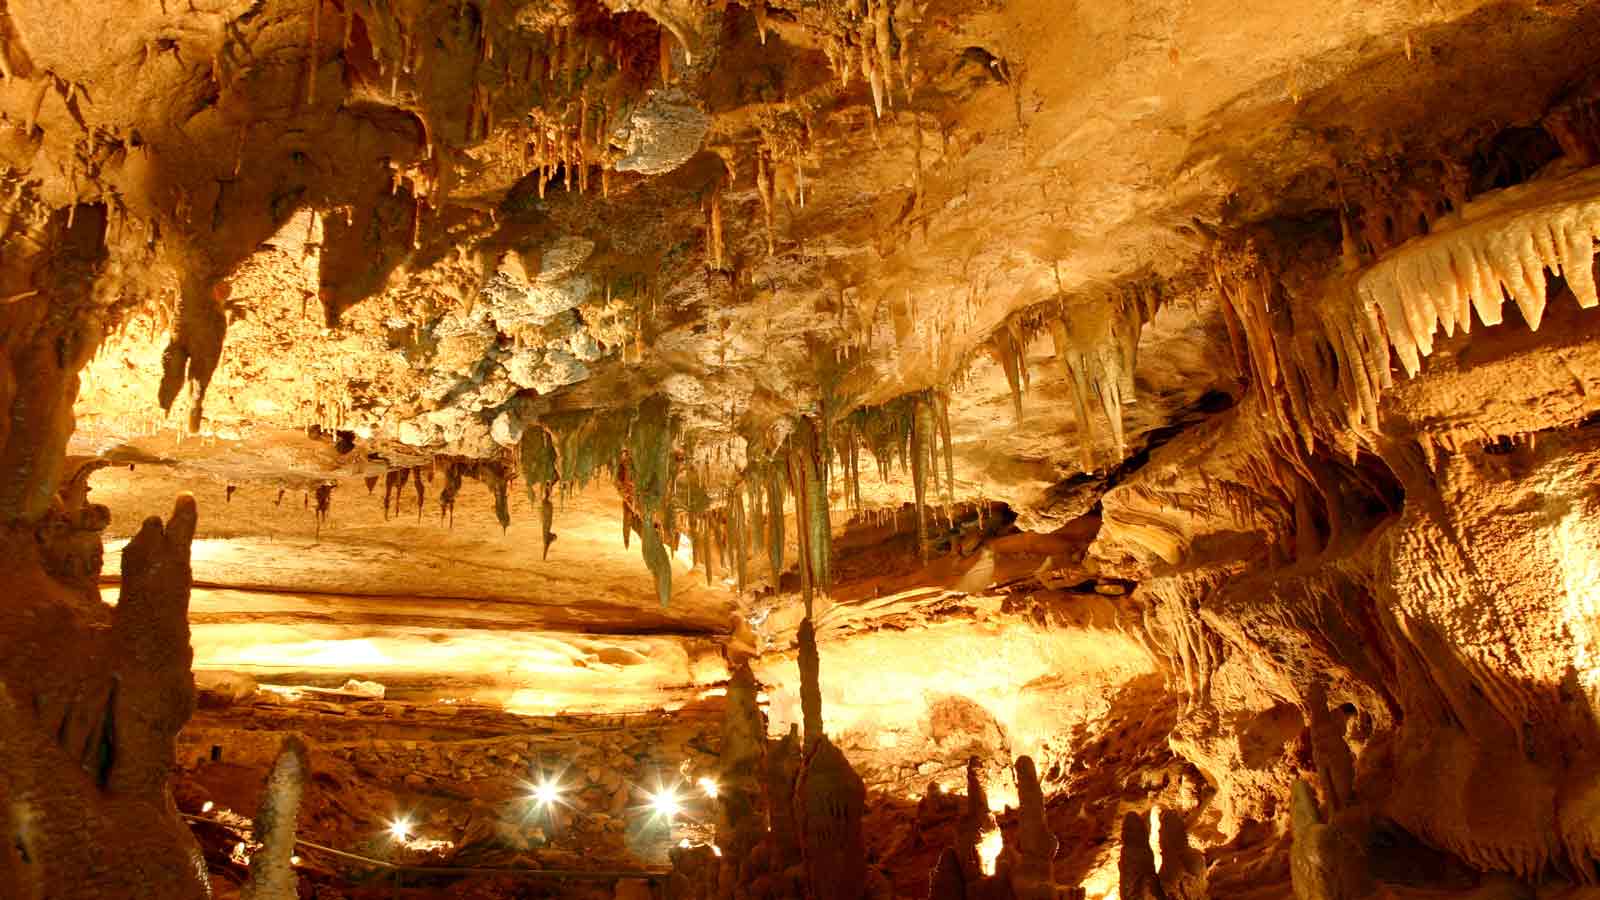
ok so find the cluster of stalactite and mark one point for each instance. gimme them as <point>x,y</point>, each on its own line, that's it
<point>547,88</point>
<point>1096,341</point>
<point>732,518</point>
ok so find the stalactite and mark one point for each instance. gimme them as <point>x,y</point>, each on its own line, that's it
<point>738,543</point>
<point>494,476</point>
<point>394,480</point>
<point>1003,346</point>
<point>775,540</point>
<point>1499,245</point>
<point>764,189</point>
<point>808,478</point>
<point>547,519</point>
<point>540,468</point>
<point>453,474</point>
<point>1092,342</point>
<point>922,433</point>
<point>416,481</point>
<point>794,470</point>
<point>650,449</point>
<point>324,493</point>
<point>853,466</point>
<point>714,246</point>
<point>755,495</point>
<point>943,400</point>
<point>311,53</point>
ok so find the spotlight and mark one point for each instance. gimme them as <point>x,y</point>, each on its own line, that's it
<point>547,793</point>
<point>207,806</point>
<point>709,785</point>
<point>400,829</point>
<point>666,803</point>
<point>294,860</point>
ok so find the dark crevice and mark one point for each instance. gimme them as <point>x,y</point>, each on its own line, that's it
<point>105,754</point>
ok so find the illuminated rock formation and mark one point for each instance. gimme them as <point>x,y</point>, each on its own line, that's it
<point>1328,860</point>
<point>1183,868</point>
<point>91,700</point>
<point>272,874</point>
<point>1136,862</point>
<point>1031,874</point>
<point>831,800</point>
<point>783,771</point>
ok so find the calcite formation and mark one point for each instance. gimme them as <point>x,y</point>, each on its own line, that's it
<point>1073,450</point>
<point>92,701</point>
<point>272,875</point>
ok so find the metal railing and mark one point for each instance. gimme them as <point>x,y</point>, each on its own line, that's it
<point>400,870</point>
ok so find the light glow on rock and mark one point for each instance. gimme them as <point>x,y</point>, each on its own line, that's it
<point>989,850</point>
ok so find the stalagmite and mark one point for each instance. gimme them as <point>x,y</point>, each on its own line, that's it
<point>1183,868</point>
<point>810,684</point>
<point>272,874</point>
<point>832,800</point>
<point>975,822</point>
<point>1136,863</point>
<point>784,757</point>
<point>1326,861</point>
<point>1031,876</point>
<point>1335,766</point>
<point>946,882</point>
<point>740,825</point>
